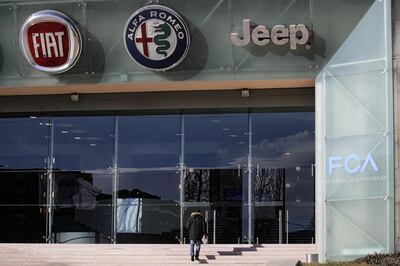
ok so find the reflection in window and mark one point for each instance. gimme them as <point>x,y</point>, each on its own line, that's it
<point>144,221</point>
<point>82,211</point>
<point>129,215</point>
<point>151,141</point>
<point>197,185</point>
<point>163,185</point>
<point>283,153</point>
<point>83,143</point>
<point>213,140</point>
<point>77,189</point>
<point>24,143</point>
<point>213,185</point>
<point>268,184</point>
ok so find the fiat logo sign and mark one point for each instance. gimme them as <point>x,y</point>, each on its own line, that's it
<point>50,41</point>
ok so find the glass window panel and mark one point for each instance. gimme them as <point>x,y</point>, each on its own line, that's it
<point>22,224</point>
<point>82,189</point>
<point>82,210</point>
<point>161,185</point>
<point>148,184</point>
<point>23,188</point>
<point>24,143</point>
<point>143,220</point>
<point>216,140</point>
<point>83,143</point>
<point>301,223</point>
<point>82,224</point>
<point>149,142</point>
<point>283,155</point>
<point>283,139</point>
<point>228,223</point>
<point>197,185</point>
<point>268,224</point>
<point>213,185</point>
<point>216,152</point>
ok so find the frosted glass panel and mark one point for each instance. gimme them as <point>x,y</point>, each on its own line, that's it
<point>356,168</point>
<point>351,94</point>
<point>354,129</point>
<point>361,234</point>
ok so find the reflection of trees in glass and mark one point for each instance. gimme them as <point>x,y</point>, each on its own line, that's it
<point>197,185</point>
<point>268,185</point>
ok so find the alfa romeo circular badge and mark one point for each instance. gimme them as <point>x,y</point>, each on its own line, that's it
<point>156,37</point>
<point>50,41</point>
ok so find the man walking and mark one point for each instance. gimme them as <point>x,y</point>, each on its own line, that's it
<point>196,226</point>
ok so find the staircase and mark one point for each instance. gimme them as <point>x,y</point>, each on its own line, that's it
<point>150,254</point>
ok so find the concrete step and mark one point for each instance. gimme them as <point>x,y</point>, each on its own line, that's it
<point>148,254</point>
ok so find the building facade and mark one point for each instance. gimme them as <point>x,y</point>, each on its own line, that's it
<point>276,119</point>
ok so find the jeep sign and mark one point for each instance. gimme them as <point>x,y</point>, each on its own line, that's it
<point>295,34</point>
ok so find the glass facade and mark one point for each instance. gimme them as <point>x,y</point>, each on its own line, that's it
<point>137,178</point>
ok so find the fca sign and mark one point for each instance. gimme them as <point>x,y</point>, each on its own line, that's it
<point>352,164</point>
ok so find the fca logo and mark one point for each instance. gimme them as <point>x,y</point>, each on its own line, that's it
<point>352,164</point>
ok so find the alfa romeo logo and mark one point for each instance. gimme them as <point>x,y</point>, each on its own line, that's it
<point>156,37</point>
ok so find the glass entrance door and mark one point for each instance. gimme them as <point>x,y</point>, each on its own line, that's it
<point>283,162</point>
<point>215,156</point>
<point>251,175</point>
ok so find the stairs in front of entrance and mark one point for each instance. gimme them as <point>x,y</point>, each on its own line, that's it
<point>151,254</point>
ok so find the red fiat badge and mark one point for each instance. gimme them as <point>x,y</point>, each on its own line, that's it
<point>50,41</point>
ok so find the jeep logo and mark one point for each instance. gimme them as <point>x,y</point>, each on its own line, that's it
<point>295,34</point>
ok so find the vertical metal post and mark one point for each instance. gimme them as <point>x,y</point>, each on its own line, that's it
<point>115,178</point>
<point>207,220</point>
<point>250,185</point>
<point>287,226</point>
<point>391,233</point>
<point>182,176</point>
<point>214,226</point>
<point>50,192</point>
<point>280,226</point>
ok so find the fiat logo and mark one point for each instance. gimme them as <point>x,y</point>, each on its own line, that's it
<point>50,41</point>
